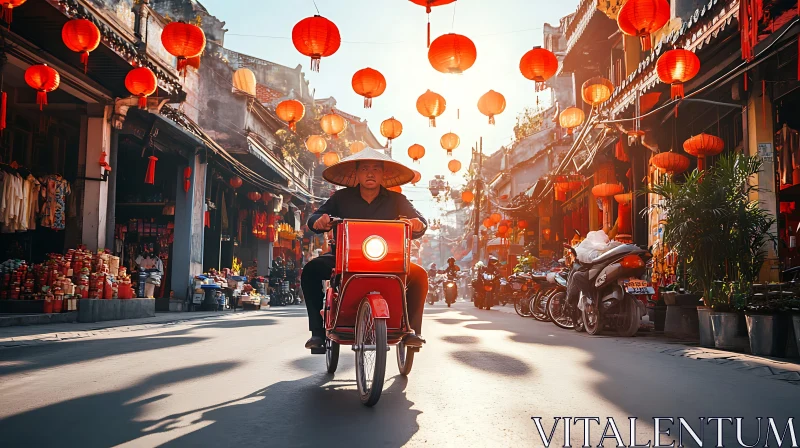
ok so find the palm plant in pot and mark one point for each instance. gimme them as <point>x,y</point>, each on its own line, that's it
<point>720,233</point>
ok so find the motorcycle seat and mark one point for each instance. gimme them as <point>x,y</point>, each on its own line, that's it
<point>539,277</point>
<point>618,251</point>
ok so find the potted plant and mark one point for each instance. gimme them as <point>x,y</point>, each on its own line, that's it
<point>768,323</point>
<point>720,234</point>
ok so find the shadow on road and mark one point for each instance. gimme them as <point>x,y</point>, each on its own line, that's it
<point>492,362</point>
<point>100,420</point>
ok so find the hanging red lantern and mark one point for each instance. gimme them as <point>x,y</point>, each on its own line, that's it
<point>492,103</point>
<point>316,145</point>
<point>495,217</point>
<point>291,111</point>
<point>43,79</point>
<point>330,158</point>
<point>597,90</point>
<point>369,83</point>
<point>391,129</point>
<point>81,36</point>
<point>235,182</point>
<point>333,124</point>
<point>538,65</point>
<point>416,152</point>
<point>183,40</point>
<point>8,7</point>
<point>428,4</point>
<point>670,162</point>
<point>522,224</point>
<point>703,145</point>
<point>316,37</point>
<point>187,179</point>
<point>605,190</point>
<point>452,53</point>
<point>254,196</point>
<point>454,166</point>
<point>417,177</point>
<point>467,196</point>
<point>641,18</point>
<point>150,176</point>
<point>570,118</point>
<point>488,223</point>
<point>103,161</point>
<point>676,67</point>
<point>449,142</point>
<point>431,105</point>
<point>141,82</point>
<point>357,146</point>
<point>501,230</point>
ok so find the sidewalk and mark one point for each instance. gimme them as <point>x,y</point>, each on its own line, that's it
<point>35,334</point>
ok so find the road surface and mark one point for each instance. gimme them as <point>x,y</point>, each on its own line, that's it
<point>245,380</point>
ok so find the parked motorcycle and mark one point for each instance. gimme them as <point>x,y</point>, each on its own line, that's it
<point>521,284</point>
<point>611,289</point>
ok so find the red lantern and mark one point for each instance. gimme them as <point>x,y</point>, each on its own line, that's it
<point>43,79</point>
<point>491,104</point>
<point>141,82</point>
<point>291,111</point>
<point>597,90</point>
<point>467,196</point>
<point>641,18</point>
<point>8,7</point>
<point>501,229</point>
<point>316,37</point>
<point>449,142</point>
<point>495,217</point>
<point>428,4</point>
<point>538,65</point>
<point>431,105</point>
<point>254,196</point>
<point>570,118</point>
<point>235,182</point>
<point>416,152</point>
<point>81,36</point>
<point>676,67</point>
<point>605,190</point>
<point>333,124</point>
<point>703,145</point>
<point>391,129</point>
<point>670,162</point>
<point>150,176</point>
<point>187,179</point>
<point>452,53</point>
<point>369,83</point>
<point>522,224</point>
<point>488,222</point>
<point>454,165</point>
<point>183,40</point>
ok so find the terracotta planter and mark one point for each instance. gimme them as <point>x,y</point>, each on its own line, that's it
<point>730,331</point>
<point>706,335</point>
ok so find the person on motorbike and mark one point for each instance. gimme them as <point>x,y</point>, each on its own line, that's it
<point>365,175</point>
<point>492,267</point>
<point>452,268</point>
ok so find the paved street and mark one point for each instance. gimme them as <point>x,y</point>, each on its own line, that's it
<point>245,380</point>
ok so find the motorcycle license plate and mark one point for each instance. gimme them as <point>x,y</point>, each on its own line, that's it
<point>639,287</point>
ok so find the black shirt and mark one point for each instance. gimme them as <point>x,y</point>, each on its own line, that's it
<point>347,203</point>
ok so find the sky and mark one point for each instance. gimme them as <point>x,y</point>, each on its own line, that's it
<point>390,36</point>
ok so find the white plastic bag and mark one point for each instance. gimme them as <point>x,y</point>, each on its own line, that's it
<point>594,245</point>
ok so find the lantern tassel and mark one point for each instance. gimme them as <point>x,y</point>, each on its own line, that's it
<point>745,80</point>
<point>646,43</point>
<point>7,12</point>
<point>701,163</point>
<point>41,99</point>
<point>182,63</point>
<point>315,64</point>
<point>677,90</point>
<point>207,219</point>
<point>491,119</point>
<point>142,102</point>
<point>569,131</point>
<point>367,103</point>
<point>292,126</point>
<point>432,122</point>
<point>102,160</point>
<point>150,177</point>
<point>85,61</point>
<point>187,179</point>
<point>3,100</point>
<point>429,27</point>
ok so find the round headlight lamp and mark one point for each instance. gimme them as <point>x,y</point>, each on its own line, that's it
<point>374,248</point>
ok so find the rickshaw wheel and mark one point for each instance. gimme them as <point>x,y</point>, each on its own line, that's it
<point>331,355</point>
<point>405,358</point>
<point>370,363</point>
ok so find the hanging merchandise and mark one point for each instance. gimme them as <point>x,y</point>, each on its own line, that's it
<point>368,83</point>
<point>416,152</point>
<point>141,82</point>
<point>676,67</point>
<point>538,65</point>
<point>452,53</point>
<point>245,80</point>
<point>491,104</point>
<point>183,40</point>
<point>431,105</point>
<point>624,211</point>
<point>316,37</point>
<point>391,129</point>
<point>428,4</point>
<point>291,111</point>
<point>449,142</point>
<point>43,79</point>
<point>54,209</point>
<point>81,36</point>
<point>641,18</point>
<point>333,124</point>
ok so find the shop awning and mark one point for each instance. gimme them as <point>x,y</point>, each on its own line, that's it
<point>536,189</point>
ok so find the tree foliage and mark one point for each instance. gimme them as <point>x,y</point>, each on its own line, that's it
<point>529,122</point>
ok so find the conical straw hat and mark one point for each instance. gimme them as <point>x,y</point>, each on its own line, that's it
<point>344,172</point>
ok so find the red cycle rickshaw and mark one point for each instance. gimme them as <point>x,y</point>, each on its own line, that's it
<point>365,303</point>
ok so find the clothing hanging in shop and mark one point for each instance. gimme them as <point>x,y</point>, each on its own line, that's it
<point>19,203</point>
<point>55,192</point>
<point>787,142</point>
